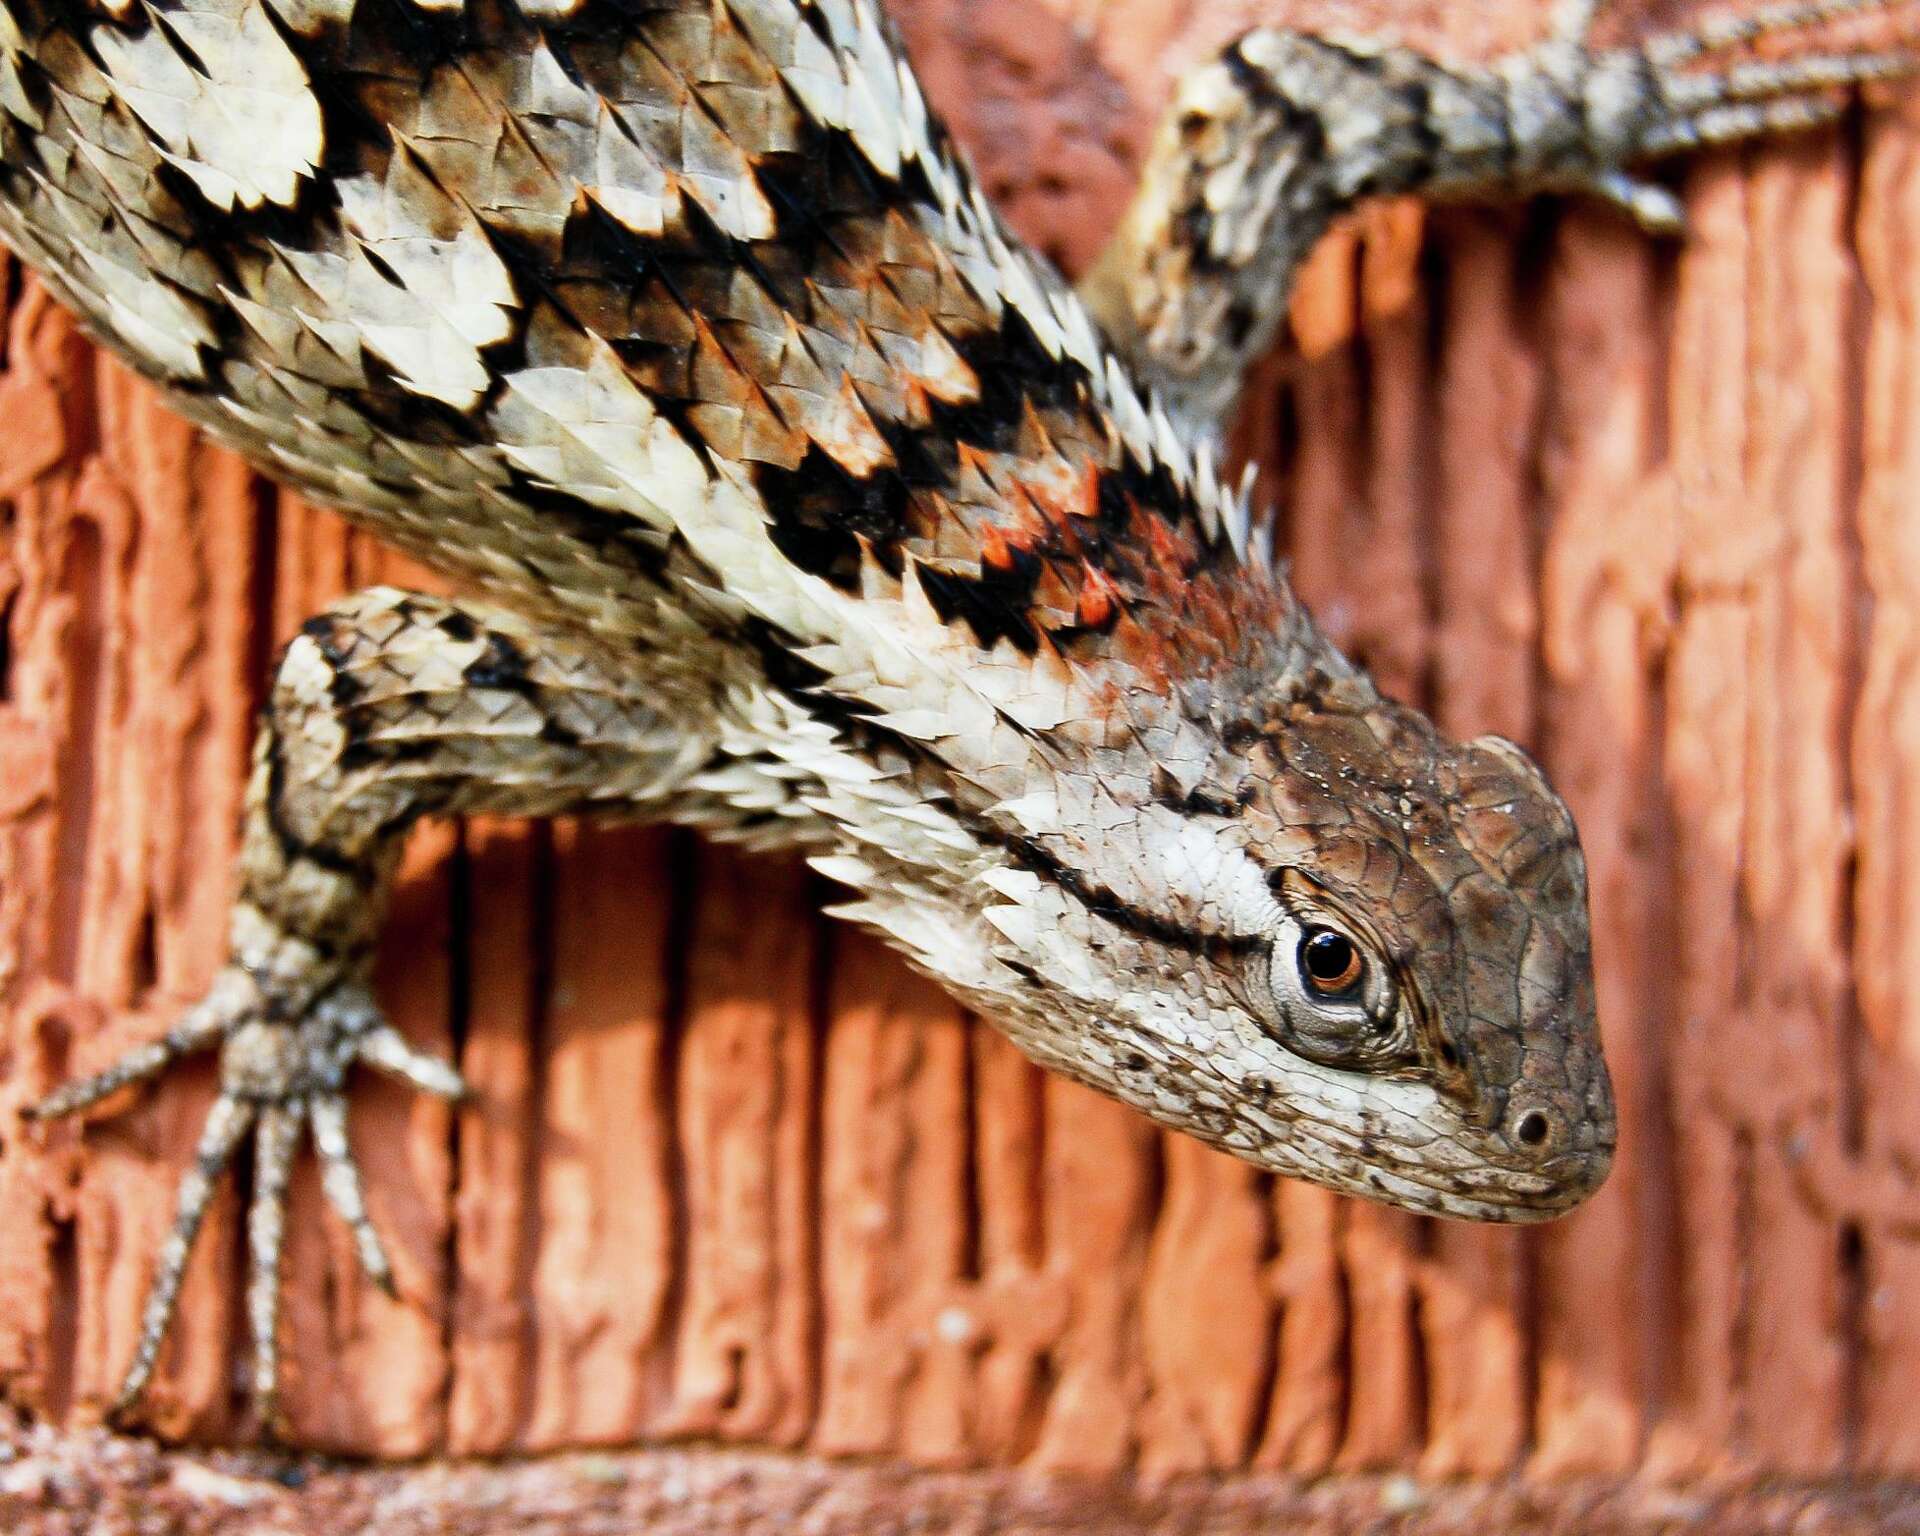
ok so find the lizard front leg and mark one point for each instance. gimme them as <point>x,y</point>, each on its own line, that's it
<point>386,708</point>
<point>1264,147</point>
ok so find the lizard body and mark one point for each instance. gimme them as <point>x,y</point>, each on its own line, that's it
<point>800,501</point>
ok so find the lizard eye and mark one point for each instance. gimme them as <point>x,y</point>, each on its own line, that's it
<point>1331,996</point>
<point>1330,962</point>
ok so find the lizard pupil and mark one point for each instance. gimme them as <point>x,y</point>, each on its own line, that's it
<point>1330,961</point>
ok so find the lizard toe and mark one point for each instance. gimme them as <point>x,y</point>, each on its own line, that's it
<point>282,1073</point>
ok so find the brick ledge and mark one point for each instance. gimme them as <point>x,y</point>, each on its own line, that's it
<point>64,1484</point>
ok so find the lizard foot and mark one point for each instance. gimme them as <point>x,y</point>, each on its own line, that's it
<point>281,1072</point>
<point>1741,98</point>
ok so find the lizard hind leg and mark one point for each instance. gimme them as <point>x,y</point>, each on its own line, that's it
<point>389,707</point>
<point>1263,147</point>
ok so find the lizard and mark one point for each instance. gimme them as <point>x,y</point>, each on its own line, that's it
<point>794,498</point>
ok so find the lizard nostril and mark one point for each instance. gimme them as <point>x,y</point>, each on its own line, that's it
<point>1532,1128</point>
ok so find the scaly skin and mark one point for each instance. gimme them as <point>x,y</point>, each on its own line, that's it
<point>803,503</point>
<point>1264,148</point>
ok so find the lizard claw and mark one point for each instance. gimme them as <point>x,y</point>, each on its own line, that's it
<point>1656,209</point>
<point>279,1076</point>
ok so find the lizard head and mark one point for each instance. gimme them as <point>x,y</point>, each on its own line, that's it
<point>1355,952</point>
<point>1429,962</point>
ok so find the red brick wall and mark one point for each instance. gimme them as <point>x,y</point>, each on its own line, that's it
<point>732,1175</point>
